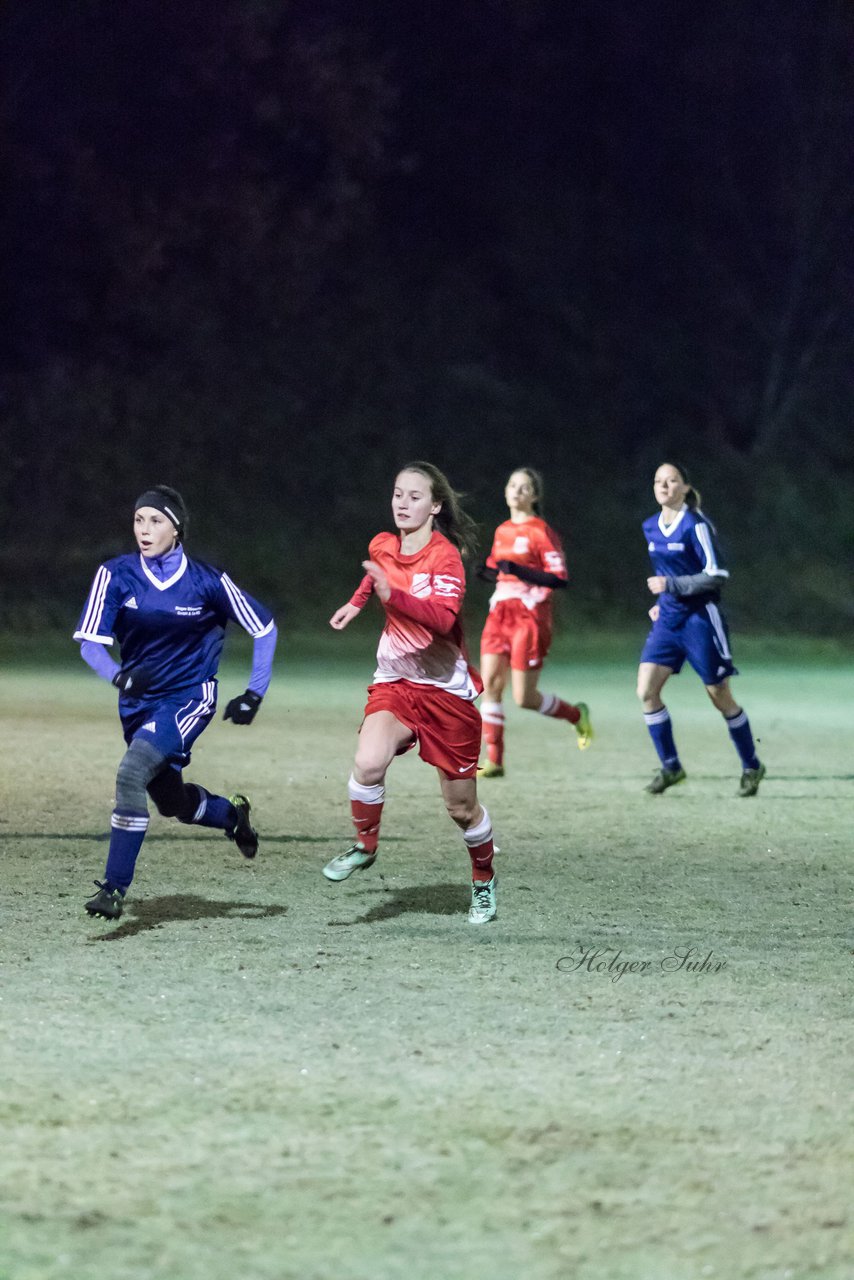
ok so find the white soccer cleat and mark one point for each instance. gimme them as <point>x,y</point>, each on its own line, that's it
<point>355,859</point>
<point>483,905</point>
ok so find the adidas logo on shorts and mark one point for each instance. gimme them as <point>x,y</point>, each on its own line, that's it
<point>151,727</point>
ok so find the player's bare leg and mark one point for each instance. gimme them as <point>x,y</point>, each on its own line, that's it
<point>381,738</point>
<point>494,668</point>
<point>460,796</point>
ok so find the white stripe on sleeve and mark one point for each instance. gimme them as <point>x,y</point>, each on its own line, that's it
<point>90,626</point>
<point>711,566</point>
<point>243,611</point>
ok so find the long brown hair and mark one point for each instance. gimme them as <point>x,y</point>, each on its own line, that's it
<point>455,523</point>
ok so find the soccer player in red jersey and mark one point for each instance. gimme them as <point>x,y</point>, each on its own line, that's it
<point>526,563</point>
<point>423,689</point>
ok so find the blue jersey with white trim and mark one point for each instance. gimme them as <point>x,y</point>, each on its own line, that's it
<point>174,627</point>
<point>683,548</point>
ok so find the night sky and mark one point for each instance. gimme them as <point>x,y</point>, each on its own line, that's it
<point>268,252</point>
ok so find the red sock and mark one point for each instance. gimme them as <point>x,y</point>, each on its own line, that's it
<point>492,714</point>
<point>366,820</point>
<point>481,860</point>
<point>552,705</point>
<point>366,807</point>
<point>481,848</point>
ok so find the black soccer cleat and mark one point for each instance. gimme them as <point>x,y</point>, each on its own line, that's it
<point>665,778</point>
<point>750,781</point>
<point>107,903</point>
<point>243,833</point>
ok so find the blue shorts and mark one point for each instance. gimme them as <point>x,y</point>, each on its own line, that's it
<point>702,638</point>
<point>172,723</point>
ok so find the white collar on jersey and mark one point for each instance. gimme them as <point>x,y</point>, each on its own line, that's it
<point>170,582</point>
<point>667,529</point>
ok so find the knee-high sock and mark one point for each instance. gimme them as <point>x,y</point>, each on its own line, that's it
<point>660,729</point>
<point>366,808</point>
<point>212,810</point>
<point>127,832</point>
<point>140,764</point>
<point>492,715</point>
<point>552,705</point>
<point>739,731</point>
<point>190,803</point>
<point>481,847</point>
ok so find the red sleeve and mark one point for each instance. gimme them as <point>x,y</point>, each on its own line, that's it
<point>363,592</point>
<point>490,559</point>
<point>438,617</point>
<point>552,558</point>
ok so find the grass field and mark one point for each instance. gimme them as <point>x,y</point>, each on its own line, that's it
<point>258,1074</point>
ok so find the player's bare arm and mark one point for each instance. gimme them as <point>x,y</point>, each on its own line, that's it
<point>342,617</point>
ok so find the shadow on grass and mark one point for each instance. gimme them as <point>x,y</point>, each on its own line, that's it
<point>153,913</point>
<point>429,900</point>
<point>102,837</point>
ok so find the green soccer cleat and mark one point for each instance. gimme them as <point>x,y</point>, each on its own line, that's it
<point>490,770</point>
<point>355,859</point>
<point>750,781</point>
<point>107,903</point>
<point>243,833</point>
<point>583,726</point>
<point>483,905</point>
<point>665,778</point>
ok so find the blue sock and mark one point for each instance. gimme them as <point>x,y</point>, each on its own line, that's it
<point>213,811</point>
<point>127,832</point>
<point>739,731</point>
<point>661,731</point>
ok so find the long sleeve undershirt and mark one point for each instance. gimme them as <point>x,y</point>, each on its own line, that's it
<point>262,662</point>
<point>437,617</point>
<point>97,656</point>
<point>693,584</point>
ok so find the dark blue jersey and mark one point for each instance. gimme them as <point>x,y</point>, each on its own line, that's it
<point>174,627</point>
<point>681,550</point>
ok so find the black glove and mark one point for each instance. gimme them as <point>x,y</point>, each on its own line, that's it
<point>133,682</point>
<point>243,710</point>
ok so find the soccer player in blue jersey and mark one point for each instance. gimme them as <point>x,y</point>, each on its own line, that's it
<point>687,623</point>
<point>168,614</point>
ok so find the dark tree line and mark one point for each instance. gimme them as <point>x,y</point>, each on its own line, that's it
<point>268,250</point>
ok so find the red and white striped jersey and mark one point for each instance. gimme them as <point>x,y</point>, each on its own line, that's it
<point>534,544</point>
<point>422,640</point>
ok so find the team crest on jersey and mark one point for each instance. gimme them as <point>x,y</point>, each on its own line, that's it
<point>131,603</point>
<point>421,585</point>
<point>521,546</point>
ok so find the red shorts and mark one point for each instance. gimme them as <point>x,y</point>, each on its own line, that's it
<point>446,728</point>
<point>523,635</point>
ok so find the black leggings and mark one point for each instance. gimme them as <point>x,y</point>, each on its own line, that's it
<point>174,797</point>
